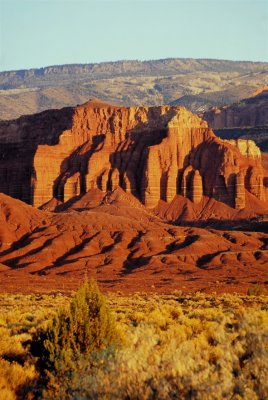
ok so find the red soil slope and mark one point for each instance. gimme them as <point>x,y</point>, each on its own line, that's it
<point>124,246</point>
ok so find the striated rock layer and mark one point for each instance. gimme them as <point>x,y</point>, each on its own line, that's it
<point>154,153</point>
<point>252,111</point>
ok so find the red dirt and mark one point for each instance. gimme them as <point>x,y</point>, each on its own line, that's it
<point>125,247</point>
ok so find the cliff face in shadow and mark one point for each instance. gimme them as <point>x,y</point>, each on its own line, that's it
<point>19,140</point>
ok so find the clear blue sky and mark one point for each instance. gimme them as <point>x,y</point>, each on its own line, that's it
<point>37,33</point>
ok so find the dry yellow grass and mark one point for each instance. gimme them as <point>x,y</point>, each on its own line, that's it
<point>20,316</point>
<point>173,347</point>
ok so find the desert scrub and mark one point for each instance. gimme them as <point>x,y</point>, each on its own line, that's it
<point>175,347</point>
<point>86,326</point>
<point>17,372</point>
<point>188,347</point>
<point>257,290</point>
<point>20,317</point>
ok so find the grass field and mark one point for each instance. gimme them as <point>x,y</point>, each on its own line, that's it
<point>169,347</point>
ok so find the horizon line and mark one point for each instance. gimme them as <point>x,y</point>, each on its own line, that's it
<point>132,60</point>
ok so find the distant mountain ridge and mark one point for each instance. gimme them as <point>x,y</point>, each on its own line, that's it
<point>196,83</point>
<point>118,68</point>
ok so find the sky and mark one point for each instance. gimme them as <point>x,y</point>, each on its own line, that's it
<point>38,33</point>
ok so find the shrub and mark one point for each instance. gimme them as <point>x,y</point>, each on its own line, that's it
<point>206,354</point>
<point>87,325</point>
<point>92,325</point>
<point>16,381</point>
<point>256,290</point>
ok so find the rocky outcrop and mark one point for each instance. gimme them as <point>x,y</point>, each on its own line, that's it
<point>197,187</point>
<point>19,140</point>
<point>192,185</point>
<point>240,192</point>
<point>154,153</point>
<point>249,112</point>
<point>254,183</point>
<point>246,147</point>
<point>72,186</point>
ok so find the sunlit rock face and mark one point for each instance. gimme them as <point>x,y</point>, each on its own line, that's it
<point>154,153</point>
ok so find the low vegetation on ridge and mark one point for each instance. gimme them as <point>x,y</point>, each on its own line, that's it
<point>144,346</point>
<point>195,83</point>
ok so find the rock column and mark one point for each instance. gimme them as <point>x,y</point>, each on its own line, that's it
<point>240,193</point>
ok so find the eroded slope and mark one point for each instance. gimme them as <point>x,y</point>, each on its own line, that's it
<point>125,247</point>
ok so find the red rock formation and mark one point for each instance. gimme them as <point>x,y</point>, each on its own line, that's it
<point>249,112</point>
<point>18,144</point>
<point>255,183</point>
<point>197,187</point>
<point>72,186</point>
<point>240,193</point>
<point>153,153</point>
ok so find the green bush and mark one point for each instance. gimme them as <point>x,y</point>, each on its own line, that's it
<point>87,325</point>
<point>92,325</point>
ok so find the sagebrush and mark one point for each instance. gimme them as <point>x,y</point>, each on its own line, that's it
<point>171,347</point>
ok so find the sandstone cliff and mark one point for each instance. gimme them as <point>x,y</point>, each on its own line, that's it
<point>154,153</point>
<point>252,111</point>
<point>19,140</point>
